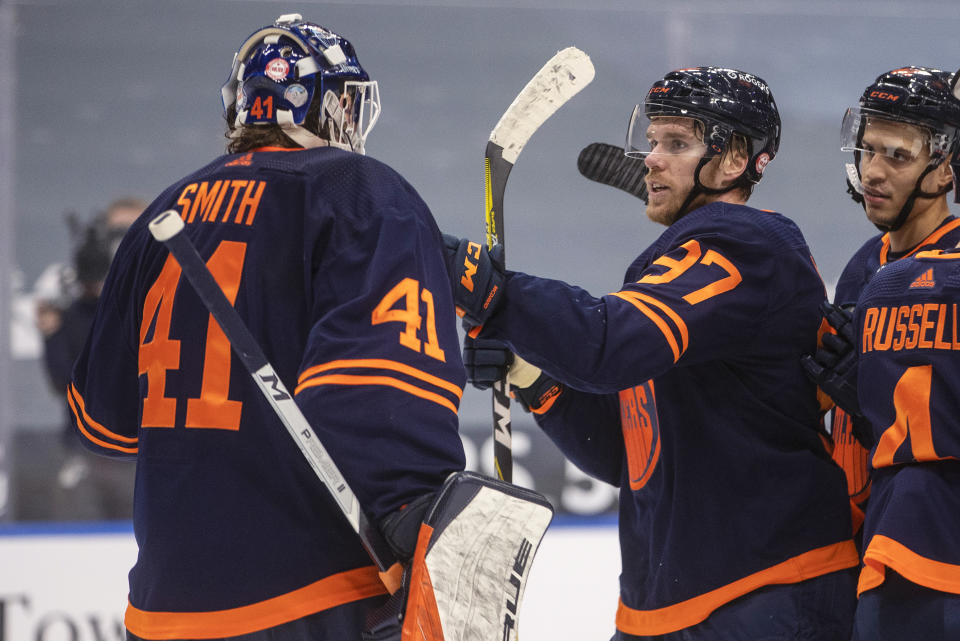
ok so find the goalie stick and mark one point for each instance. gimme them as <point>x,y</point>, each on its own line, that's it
<point>561,78</point>
<point>607,164</point>
<point>166,228</point>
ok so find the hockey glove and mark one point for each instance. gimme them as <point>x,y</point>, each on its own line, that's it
<point>476,278</point>
<point>537,395</point>
<point>486,361</point>
<point>834,365</point>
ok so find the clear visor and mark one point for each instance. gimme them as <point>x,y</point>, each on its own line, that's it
<point>353,116</point>
<point>665,134</point>
<point>871,133</point>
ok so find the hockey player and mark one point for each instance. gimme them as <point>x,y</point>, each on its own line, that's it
<point>684,387</point>
<point>903,135</point>
<point>909,389</point>
<point>335,264</point>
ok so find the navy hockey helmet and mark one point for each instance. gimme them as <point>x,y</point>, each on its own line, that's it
<point>726,101</point>
<point>918,96</point>
<point>281,69</point>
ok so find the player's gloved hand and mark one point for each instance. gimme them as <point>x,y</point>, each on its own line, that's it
<point>486,361</point>
<point>531,387</point>
<point>834,365</point>
<point>476,278</point>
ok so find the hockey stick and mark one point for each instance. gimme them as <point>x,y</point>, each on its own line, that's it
<point>560,79</point>
<point>608,165</point>
<point>166,228</point>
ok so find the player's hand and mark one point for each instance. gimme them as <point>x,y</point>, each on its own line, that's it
<point>486,360</point>
<point>476,278</point>
<point>834,365</point>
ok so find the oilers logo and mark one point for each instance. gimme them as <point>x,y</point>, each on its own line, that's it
<point>641,432</point>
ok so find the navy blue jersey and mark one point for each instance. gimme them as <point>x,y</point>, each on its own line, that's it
<point>685,389</point>
<point>335,264</point>
<point>909,387</point>
<point>875,253</point>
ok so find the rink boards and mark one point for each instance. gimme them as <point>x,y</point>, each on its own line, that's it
<point>69,582</point>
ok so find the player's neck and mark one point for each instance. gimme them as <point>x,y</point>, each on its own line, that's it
<point>732,197</point>
<point>919,226</point>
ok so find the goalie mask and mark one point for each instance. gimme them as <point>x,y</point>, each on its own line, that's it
<point>281,70</point>
<point>725,102</point>
<point>918,101</point>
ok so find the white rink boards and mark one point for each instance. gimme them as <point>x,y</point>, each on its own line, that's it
<point>58,584</point>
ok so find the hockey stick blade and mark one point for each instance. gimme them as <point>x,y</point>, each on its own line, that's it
<point>607,164</point>
<point>166,228</point>
<point>559,80</point>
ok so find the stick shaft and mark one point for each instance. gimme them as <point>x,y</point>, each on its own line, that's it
<point>497,170</point>
<point>561,78</point>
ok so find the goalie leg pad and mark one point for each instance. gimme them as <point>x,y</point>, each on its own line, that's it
<point>472,561</point>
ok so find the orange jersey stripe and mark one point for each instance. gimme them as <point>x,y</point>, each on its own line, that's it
<point>95,425</point>
<point>349,379</point>
<point>938,254</point>
<point>381,363</point>
<point>324,594</point>
<point>932,238</point>
<point>675,317</point>
<point>884,552</point>
<point>80,422</point>
<point>638,299</point>
<point>659,322</point>
<point>808,565</point>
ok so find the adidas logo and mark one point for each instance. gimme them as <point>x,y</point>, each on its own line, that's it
<point>243,161</point>
<point>924,280</point>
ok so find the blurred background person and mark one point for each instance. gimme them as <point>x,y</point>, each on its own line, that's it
<point>67,295</point>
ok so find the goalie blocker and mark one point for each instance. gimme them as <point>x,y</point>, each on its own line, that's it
<point>471,563</point>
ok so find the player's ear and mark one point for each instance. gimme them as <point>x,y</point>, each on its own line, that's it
<point>733,161</point>
<point>944,173</point>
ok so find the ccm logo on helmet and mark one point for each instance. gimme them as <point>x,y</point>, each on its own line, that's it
<point>883,95</point>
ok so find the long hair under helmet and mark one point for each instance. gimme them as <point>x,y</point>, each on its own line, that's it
<point>726,102</point>
<point>282,69</point>
<point>918,96</point>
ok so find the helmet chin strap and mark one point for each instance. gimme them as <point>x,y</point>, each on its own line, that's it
<point>911,200</point>
<point>699,188</point>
